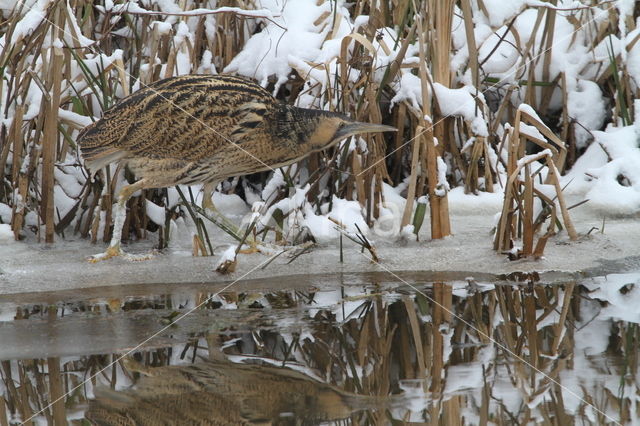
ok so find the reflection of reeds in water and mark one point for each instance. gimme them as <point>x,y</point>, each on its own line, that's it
<point>516,354</point>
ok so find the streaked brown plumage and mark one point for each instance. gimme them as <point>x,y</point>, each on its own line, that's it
<point>219,392</point>
<point>203,129</point>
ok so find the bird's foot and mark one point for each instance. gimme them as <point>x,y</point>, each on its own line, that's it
<point>115,251</point>
<point>254,247</point>
<point>112,251</point>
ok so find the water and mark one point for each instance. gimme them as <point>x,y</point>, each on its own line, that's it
<point>356,350</point>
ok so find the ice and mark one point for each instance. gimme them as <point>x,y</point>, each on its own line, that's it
<point>472,204</point>
<point>303,35</point>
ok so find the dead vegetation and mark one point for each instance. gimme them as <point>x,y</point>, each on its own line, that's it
<point>61,74</point>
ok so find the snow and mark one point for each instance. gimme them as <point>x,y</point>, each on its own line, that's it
<point>276,182</point>
<point>6,234</point>
<point>228,255</point>
<point>303,36</point>
<point>586,106</point>
<point>73,36</point>
<point>293,34</point>
<point>348,214</point>
<point>79,120</point>
<point>460,102</point>
<point>35,14</point>
<point>621,292</point>
<point>322,229</point>
<point>5,213</point>
<point>612,187</point>
<point>155,212</point>
<point>408,89</point>
<point>230,204</point>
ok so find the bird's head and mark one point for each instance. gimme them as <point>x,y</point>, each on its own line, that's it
<point>324,129</point>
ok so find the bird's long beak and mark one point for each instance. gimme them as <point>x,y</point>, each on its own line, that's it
<point>357,127</point>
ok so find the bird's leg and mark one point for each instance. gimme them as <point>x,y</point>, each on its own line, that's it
<point>119,215</point>
<point>207,194</point>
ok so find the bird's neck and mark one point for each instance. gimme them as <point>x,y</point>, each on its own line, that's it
<point>294,124</point>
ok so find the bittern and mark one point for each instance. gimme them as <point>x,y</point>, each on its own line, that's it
<point>203,129</point>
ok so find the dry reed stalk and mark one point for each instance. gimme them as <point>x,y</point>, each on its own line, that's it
<point>411,191</point>
<point>416,333</point>
<point>547,44</point>
<point>400,120</point>
<point>438,204</point>
<point>531,330</point>
<point>566,218</point>
<point>18,142</point>
<point>518,203</point>
<point>26,411</point>
<point>50,137</point>
<point>3,413</point>
<point>452,415</point>
<point>230,33</point>
<point>526,216</point>
<point>56,392</point>
<point>442,297</point>
<point>471,41</point>
<point>471,179</point>
<point>440,19</point>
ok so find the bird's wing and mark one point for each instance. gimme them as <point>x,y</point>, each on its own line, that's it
<point>187,118</point>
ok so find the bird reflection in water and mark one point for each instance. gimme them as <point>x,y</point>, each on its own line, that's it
<point>220,392</point>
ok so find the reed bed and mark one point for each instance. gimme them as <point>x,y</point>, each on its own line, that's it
<point>64,63</point>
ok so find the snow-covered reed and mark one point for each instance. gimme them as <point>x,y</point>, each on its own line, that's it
<point>450,76</point>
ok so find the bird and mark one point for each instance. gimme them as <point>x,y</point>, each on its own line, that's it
<point>202,129</point>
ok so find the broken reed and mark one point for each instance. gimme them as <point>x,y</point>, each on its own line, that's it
<point>522,200</point>
<point>36,150</point>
